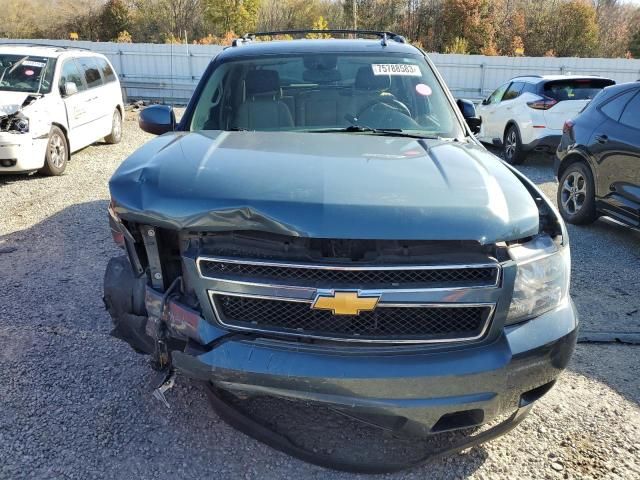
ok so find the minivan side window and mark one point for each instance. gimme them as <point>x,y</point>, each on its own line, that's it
<point>613,108</point>
<point>91,72</point>
<point>631,115</point>
<point>70,73</point>
<point>107,72</point>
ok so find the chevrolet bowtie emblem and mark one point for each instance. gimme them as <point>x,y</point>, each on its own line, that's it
<point>345,303</point>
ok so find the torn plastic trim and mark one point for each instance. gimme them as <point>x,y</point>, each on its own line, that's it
<point>123,238</point>
<point>181,321</point>
<point>250,427</point>
<point>17,122</point>
<point>550,220</point>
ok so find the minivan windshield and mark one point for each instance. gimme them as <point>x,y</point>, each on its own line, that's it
<point>26,73</point>
<point>326,92</point>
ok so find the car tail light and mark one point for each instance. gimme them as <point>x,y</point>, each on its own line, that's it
<point>568,126</point>
<point>543,103</point>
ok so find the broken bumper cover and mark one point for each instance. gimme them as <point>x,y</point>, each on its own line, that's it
<point>20,152</point>
<point>410,390</point>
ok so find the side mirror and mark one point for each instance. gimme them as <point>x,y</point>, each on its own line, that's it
<point>468,110</point>
<point>485,101</point>
<point>157,119</point>
<point>70,88</point>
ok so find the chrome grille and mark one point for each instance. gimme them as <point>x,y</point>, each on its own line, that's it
<point>385,323</point>
<point>332,275</point>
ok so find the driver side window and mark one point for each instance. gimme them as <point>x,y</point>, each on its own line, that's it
<point>496,96</point>
<point>70,73</point>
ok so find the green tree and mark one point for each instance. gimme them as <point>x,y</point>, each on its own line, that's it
<point>114,19</point>
<point>232,15</point>
<point>634,45</point>
<point>576,30</point>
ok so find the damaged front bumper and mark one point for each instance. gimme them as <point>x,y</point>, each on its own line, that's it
<point>412,389</point>
<point>20,152</point>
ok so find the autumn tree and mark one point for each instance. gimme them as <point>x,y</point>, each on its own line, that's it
<point>471,20</point>
<point>232,15</point>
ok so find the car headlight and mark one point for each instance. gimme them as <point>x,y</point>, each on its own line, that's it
<point>542,280</point>
<point>15,124</point>
<point>20,124</point>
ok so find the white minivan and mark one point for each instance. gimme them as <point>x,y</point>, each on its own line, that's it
<point>54,101</point>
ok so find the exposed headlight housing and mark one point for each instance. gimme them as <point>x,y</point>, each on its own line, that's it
<point>542,280</point>
<point>16,123</point>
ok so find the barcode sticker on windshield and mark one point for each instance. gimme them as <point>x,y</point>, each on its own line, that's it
<point>29,63</point>
<point>403,69</point>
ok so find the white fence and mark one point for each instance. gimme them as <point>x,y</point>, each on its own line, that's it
<point>170,73</point>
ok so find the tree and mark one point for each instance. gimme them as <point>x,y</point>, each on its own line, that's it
<point>319,24</point>
<point>114,19</point>
<point>232,15</point>
<point>576,29</point>
<point>472,20</point>
<point>634,45</point>
<point>459,45</point>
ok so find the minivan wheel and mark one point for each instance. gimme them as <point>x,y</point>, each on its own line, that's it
<point>57,154</point>
<point>576,197</point>
<point>512,146</point>
<point>116,128</point>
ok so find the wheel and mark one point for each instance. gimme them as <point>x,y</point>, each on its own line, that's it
<point>576,195</point>
<point>57,155</point>
<point>512,146</point>
<point>116,128</point>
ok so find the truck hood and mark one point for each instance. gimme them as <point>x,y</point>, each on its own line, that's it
<point>324,185</point>
<point>10,102</point>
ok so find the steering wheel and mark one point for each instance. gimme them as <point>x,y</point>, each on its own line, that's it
<point>391,102</point>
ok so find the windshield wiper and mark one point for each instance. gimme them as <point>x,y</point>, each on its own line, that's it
<point>387,132</point>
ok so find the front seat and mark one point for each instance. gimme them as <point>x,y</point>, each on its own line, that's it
<point>369,88</point>
<point>262,108</point>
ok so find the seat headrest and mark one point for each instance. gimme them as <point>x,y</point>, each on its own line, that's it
<point>366,80</point>
<point>321,76</point>
<point>261,82</point>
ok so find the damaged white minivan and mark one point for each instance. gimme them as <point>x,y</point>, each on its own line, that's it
<point>54,101</point>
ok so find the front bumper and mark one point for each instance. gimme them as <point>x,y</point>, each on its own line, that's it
<point>21,152</point>
<point>406,389</point>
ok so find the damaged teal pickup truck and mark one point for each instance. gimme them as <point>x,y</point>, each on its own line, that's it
<point>322,226</point>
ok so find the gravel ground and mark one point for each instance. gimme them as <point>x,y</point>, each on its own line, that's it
<point>77,403</point>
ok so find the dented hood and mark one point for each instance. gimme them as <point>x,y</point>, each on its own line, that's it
<point>11,102</point>
<point>324,185</point>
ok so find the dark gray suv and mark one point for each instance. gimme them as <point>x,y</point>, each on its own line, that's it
<point>322,225</point>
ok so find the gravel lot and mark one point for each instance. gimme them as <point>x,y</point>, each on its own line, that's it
<point>77,403</point>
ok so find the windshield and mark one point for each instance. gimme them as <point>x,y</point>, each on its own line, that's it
<point>320,92</point>
<point>26,73</point>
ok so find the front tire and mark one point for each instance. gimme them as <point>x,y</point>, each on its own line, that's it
<point>57,154</point>
<point>116,128</point>
<point>512,146</point>
<point>576,195</point>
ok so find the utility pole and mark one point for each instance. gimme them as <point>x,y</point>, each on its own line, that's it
<point>355,14</point>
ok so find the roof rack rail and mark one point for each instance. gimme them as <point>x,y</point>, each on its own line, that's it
<point>383,35</point>
<point>46,45</point>
<point>525,76</point>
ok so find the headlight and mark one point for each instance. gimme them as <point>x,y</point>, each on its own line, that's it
<point>16,123</point>
<point>542,281</point>
<point>20,124</point>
